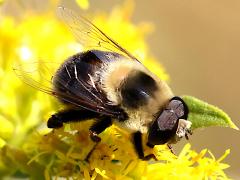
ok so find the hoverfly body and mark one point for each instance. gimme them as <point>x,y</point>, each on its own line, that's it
<point>111,86</point>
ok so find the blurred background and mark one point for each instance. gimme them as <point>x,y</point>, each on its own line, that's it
<point>198,43</point>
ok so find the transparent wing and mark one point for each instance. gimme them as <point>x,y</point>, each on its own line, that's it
<point>89,35</point>
<point>39,75</point>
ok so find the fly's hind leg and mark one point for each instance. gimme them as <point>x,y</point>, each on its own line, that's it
<point>73,115</point>
<point>70,115</point>
<point>76,115</point>
<point>99,126</point>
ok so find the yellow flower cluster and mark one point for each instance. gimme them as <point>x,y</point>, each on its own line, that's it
<point>29,149</point>
<point>70,153</point>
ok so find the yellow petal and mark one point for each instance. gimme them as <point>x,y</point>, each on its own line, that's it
<point>84,4</point>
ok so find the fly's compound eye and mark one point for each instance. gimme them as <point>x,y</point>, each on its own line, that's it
<point>167,120</point>
<point>178,106</point>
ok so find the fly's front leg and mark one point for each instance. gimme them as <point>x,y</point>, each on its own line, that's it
<point>137,142</point>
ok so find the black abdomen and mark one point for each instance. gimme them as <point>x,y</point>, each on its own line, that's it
<point>80,75</point>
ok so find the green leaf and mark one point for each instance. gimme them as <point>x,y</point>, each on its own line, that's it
<point>202,114</point>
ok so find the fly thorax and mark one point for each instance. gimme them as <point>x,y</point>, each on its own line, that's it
<point>138,120</point>
<point>137,90</point>
<point>114,74</point>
